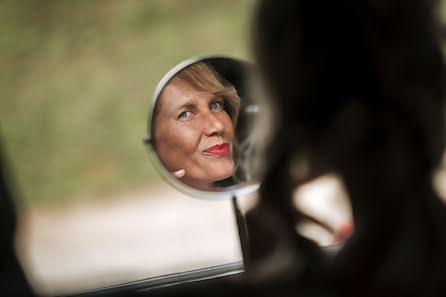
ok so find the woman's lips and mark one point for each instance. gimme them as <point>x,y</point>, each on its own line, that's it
<point>219,149</point>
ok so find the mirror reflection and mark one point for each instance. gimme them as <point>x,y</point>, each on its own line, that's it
<point>200,125</point>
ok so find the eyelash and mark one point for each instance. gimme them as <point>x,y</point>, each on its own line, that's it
<point>185,114</point>
<point>217,102</point>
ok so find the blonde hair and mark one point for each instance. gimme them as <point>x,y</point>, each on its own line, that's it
<point>202,77</point>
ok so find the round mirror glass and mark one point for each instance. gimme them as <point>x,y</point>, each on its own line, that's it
<point>200,125</point>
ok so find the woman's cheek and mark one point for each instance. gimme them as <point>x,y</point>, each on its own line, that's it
<point>229,128</point>
<point>189,136</point>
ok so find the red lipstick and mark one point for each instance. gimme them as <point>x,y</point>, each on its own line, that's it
<point>219,149</point>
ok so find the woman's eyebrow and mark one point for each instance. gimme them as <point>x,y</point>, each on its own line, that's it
<point>187,105</point>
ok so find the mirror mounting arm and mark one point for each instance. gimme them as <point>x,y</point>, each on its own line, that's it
<point>242,229</point>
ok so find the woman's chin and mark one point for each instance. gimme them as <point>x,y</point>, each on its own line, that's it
<point>224,172</point>
<point>205,180</point>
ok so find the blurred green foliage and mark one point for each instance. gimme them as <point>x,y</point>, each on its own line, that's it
<point>76,79</point>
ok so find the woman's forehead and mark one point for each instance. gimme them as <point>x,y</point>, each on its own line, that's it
<point>178,92</point>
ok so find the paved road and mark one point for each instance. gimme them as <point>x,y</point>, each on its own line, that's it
<point>154,232</point>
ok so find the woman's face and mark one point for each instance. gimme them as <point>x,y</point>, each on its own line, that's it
<point>193,132</point>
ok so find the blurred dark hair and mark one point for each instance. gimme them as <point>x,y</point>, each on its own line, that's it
<point>359,89</point>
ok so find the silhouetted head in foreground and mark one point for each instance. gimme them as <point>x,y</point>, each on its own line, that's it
<point>358,88</point>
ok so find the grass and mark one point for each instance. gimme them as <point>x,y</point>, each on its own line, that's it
<point>76,82</point>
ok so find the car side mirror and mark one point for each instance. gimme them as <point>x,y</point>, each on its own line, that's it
<point>200,128</point>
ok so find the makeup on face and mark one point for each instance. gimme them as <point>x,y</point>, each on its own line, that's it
<point>218,149</point>
<point>194,133</point>
<point>200,127</point>
<point>195,105</point>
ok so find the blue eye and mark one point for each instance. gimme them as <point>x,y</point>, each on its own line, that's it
<point>215,106</point>
<point>184,115</point>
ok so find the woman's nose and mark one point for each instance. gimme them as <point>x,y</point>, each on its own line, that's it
<point>213,125</point>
